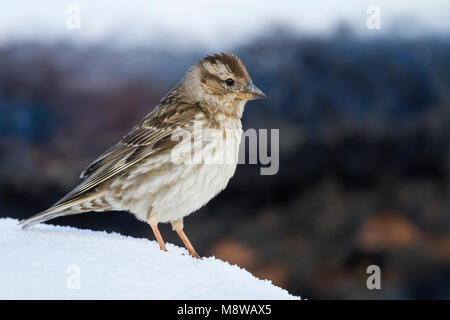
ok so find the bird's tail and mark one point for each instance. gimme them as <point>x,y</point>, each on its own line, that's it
<point>69,205</point>
<point>61,208</point>
<point>42,217</point>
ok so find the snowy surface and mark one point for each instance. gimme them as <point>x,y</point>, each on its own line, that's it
<point>48,262</point>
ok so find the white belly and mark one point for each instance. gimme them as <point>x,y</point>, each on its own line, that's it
<point>193,192</point>
<point>181,189</point>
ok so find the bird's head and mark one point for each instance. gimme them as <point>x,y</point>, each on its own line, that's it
<point>224,74</point>
<point>220,80</point>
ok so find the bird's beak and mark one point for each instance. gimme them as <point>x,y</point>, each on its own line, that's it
<point>251,92</point>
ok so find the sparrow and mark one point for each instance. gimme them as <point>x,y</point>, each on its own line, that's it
<point>150,172</point>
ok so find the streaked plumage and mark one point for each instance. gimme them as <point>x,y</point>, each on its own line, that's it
<point>138,174</point>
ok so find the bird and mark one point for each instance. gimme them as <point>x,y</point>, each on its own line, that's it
<point>150,172</point>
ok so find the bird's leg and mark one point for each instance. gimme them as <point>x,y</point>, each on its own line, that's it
<point>177,226</point>
<point>158,237</point>
<point>152,219</point>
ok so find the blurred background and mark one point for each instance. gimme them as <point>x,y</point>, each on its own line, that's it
<point>363,115</point>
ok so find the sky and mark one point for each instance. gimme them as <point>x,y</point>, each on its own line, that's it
<point>210,22</point>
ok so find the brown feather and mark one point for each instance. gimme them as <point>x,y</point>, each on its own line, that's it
<point>147,138</point>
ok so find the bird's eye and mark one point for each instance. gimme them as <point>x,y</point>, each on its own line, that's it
<point>229,82</point>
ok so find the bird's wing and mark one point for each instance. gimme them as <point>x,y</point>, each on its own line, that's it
<point>156,132</point>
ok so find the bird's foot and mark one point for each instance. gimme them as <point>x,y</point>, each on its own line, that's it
<point>194,254</point>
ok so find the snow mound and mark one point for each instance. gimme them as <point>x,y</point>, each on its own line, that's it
<point>52,262</point>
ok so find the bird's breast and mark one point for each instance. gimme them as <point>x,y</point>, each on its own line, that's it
<point>175,185</point>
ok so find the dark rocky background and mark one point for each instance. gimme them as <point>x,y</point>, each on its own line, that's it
<point>364,154</point>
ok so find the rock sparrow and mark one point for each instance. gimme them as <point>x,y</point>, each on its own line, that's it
<point>140,173</point>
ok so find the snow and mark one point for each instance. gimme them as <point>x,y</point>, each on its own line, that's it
<point>53,262</point>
